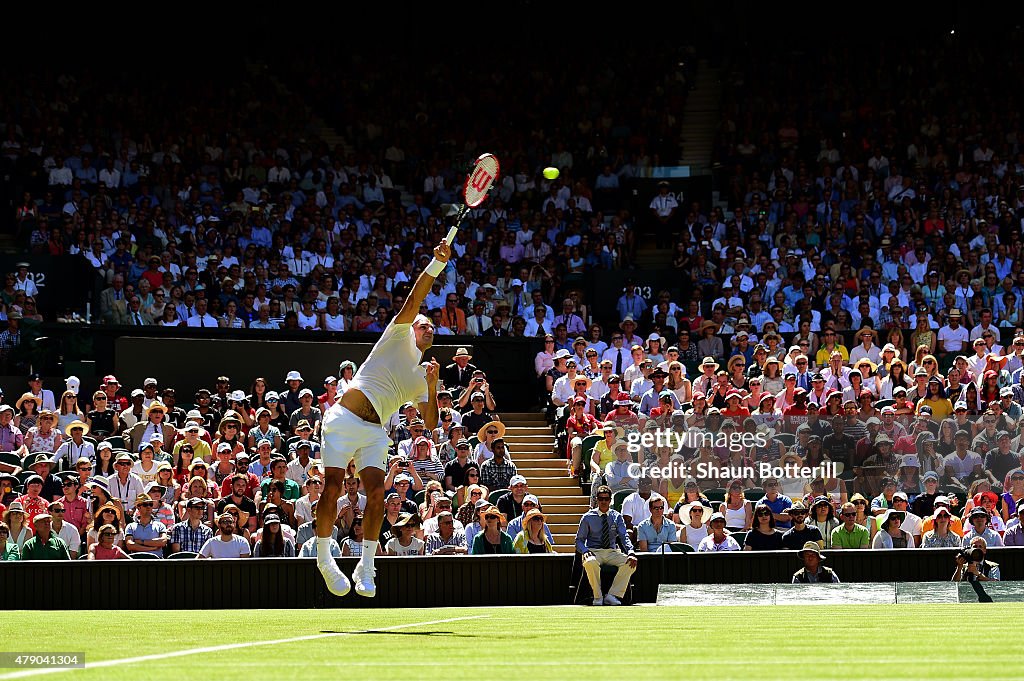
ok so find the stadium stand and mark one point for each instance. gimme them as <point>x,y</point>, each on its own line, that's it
<point>848,303</point>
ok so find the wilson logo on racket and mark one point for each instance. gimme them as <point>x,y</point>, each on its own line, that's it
<point>481,180</point>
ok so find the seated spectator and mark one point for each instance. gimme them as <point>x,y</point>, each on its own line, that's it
<point>1015,533</point>
<point>225,543</point>
<point>147,534</point>
<point>618,473</point>
<point>491,539</point>
<point>405,542</point>
<point>656,531</point>
<point>763,536</point>
<point>718,538</point>
<point>636,507</point>
<point>471,487</point>
<point>511,503</point>
<point>800,533</point>
<point>273,543</point>
<point>456,469</point>
<point>44,543</point>
<point>191,533</point>
<point>532,538</point>
<point>941,535</point>
<point>478,416</point>
<point>497,471</point>
<point>447,539</point>
<point>979,519</point>
<point>849,534</point>
<point>890,535</point>
<point>105,548</point>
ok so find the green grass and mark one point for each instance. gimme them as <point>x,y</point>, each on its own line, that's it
<point>744,642</point>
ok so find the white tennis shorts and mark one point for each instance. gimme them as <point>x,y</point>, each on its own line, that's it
<point>344,436</point>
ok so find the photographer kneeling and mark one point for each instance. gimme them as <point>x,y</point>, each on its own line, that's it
<point>972,566</point>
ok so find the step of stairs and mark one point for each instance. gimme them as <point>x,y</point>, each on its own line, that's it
<point>540,463</point>
<point>532,444</point>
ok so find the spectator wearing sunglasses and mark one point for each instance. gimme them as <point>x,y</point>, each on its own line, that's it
<point>145,535</point>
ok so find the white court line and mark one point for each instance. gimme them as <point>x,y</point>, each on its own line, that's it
<point>228,646</point>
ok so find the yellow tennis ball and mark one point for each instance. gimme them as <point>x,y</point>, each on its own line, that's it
<point>551,173</point>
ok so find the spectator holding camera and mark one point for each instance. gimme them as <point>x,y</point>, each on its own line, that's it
<point>972,566</point>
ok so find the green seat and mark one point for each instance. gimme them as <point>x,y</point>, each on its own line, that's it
<point>420,496</point>
<point>715,494</point>
<point>587,446</point>
<point>754,494</point>
<point>497,494</point>
<point>23,476</point>
<point>681,547</point>
<point>11,459</point>
<point>182,555</point>
<point>116,442</point>
<point>474,441</point>
<point>619,497</point>
<point>740,537</point>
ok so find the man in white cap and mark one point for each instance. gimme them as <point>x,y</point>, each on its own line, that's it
<point>517,300</point>
<point>352,428</point>
<point>290,396</point>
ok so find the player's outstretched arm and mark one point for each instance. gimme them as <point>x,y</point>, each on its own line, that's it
<point>411,307</point>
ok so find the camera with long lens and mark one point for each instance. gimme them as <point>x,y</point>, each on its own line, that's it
<point>971,555</point>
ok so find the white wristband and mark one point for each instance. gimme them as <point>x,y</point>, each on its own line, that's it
<point>435,267</point>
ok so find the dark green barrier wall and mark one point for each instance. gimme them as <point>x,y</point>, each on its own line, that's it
<point>431,582</point>
<point>189,358</point>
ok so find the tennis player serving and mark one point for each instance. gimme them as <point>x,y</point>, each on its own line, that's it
<point>390,376</point>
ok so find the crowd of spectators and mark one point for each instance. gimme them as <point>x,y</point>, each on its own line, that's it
<point>236,214</point>
<point>857,303</point>
<point>116,473</point>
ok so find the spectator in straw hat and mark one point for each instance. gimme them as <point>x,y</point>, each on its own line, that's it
<point>154,422</point>
<point>457,375</point>
<point>44,436</point>
<point>42,465</point>
<point>492,539</point>
<point>75,446</point>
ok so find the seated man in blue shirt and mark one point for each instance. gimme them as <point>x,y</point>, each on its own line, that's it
<point>778,503</point>
<point>602,532</point>
<point>656,531</point>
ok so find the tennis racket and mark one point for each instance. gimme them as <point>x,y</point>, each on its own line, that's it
<point>478,183</point>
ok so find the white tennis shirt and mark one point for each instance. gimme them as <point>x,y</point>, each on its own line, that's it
<point>392,375</point>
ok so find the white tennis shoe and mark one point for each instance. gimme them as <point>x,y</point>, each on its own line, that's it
<point>363,578</point>
<point>337,583</point>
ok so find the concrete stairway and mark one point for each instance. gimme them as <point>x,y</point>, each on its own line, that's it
<point>699,125</point>
<point>700,117</point>
<point>315,125</point>
<point>531,443</point>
